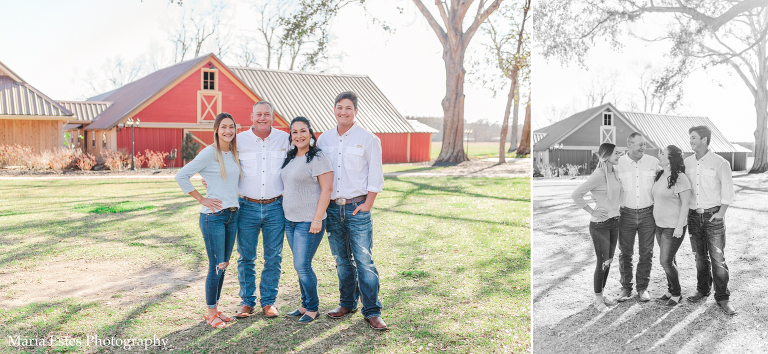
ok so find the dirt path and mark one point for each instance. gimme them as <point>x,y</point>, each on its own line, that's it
<point>563,261</point>
<point>114,282</point>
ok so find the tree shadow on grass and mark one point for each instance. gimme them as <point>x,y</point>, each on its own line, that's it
<point>422,188</point>
<point>87,227</point>
<point>636,327</point>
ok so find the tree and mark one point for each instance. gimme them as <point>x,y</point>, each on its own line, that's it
<point>115,72</point>
<point>525,141</point>
<point>189,148</point>
<point>711,32</point>
<point>509,62</point>
<point>661,90</point>
<point>455,41</point>
<point>198,30</point>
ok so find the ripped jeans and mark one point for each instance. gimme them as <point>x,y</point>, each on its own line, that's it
<point>219,232</point>
<point>708,244</point>
<point>351,240</point>
<point>604,234</point>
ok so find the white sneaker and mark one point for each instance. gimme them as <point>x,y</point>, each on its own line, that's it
<point>645,296</point>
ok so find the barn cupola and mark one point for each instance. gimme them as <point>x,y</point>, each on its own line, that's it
<point>209,96</point>
<point>607,128</point>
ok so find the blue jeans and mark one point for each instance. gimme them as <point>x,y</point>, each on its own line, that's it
<point>668,246</point>
<point>351,241</point>
<point>269,219</point>
<point>604,236</point>
<point>304,245</point>
<point>641,223</point>
<point>708,243</point>
<point>219,232</point>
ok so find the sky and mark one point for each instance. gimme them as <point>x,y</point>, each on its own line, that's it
<point>716,93</point>
<point>54,44</point>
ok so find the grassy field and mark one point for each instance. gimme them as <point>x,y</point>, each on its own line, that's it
<point>476,149</point>
<point>118,259</point>
<point>563,263</point>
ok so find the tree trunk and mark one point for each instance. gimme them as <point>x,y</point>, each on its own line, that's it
<point>761,138</point>
<point>515,112</point>
<point>453,107</point>
<point>505,123</point>
<point>525,141</point>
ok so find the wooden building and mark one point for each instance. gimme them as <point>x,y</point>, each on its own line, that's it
<point>27,116</point>
<point>575,139</point>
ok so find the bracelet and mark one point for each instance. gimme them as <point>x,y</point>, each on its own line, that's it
<point>316,221</point>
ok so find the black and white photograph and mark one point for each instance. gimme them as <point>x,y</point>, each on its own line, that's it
<point>650,195</point>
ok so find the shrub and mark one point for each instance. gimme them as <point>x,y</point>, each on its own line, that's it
<point>548,171</point>
<point>138,160</point>
<point>85,162</point>
<point>116,160</point>
<point>573,170</point>
<point>14,155</point>
<point>60,158</point>
<point>37,162</point>
<point>155,159</point>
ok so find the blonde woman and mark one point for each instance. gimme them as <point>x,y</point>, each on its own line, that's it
<point>604,225</point>
<point>220,167</point>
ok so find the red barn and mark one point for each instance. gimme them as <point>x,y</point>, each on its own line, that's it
<point>575,139</point>
<point>186,97</point>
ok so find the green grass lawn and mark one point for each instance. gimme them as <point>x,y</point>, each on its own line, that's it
<point>453,256</point>
<point>476,149</point>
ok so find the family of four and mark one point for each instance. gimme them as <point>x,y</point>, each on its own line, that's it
<point>290,186</point>
<point>639,196</point>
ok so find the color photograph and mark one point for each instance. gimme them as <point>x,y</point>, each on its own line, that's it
<point>265,176</point>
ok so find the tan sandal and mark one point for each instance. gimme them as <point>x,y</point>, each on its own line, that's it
<point>219,324</point>
<point>225,318</point>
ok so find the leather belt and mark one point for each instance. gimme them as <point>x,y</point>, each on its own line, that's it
<point>262,201</point>
<point>638,210</point>
<point>710,210</point>
<point>343,201</point>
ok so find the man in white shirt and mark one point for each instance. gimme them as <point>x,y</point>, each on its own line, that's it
<point>262,150</point>
<point>358,177</point>
<point>636,172</point>
<point>712,187</point>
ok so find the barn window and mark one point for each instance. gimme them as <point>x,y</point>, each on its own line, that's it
<point>104,140</point>
<point>209,80</point>
<point>607,118</point>
<point>93,139</point>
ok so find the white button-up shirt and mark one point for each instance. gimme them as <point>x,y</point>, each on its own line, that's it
<point>261,160</point>
<point>711,180</point>
<point>637,180</point>
<point>356,159</point>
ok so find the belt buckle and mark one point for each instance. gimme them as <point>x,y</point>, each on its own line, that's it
<point>233,209</point>
<point>700,211</point>
<point>341,201</point>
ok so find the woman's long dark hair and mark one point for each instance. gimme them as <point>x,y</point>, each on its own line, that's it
<point>313,149</point>
<point>676,165</point>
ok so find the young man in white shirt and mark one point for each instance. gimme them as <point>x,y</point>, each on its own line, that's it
<point>357,178</point>
<point>262,150</point>
<point>712,187</point>
<point>636,172</point>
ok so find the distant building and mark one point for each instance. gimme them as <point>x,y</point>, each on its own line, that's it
<point>27,116</point>
<point>186,98</point>
<point>574,139</point>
